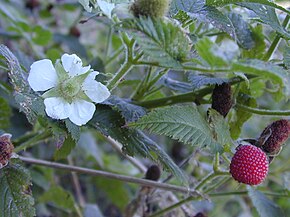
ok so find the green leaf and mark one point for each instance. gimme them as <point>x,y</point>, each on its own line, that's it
<point>264,206</point>
<point>18,77</point>
<point>92,210</point>
<point>266,70</point>
<point>242,31</point>
<point>187,5</point>
<point>220,130</point>
<point>59,197</point>
<point>240,117</point>
<point>73,129</point>
<point>161,41</point>
<point>261,2</point>
<point>175,84</point>
<point>15,184</point>
<point>268,15</point>
<point>65,149</point>
<point>41,36</point>
<point>287,57</point>
<point>184,123</point>
<point>110,123</point>
<point>211,53</point>
<point>5,114</point>
<point>213,16</point>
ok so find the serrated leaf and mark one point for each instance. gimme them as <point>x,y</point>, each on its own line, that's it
<point>213,16</point>
<point>240,116</point>
<point>5,114</point>
<point>210,52</point>
<point>161,41</point>
<point>16,198</point>
<point>59,197</point>
<point>130,112</point>
<point>18,77</point>
<point>220,130</point>
<point>184,123</point>
<point>287,57</point>
<point>261,2</point>
<point>198,81</point>
<point>267,70</point>
<point>242,31</point>
<point>65,149</point>
<point>110,123</point>
<point>187,5</point>
<point>268,16</point>
<point>73,129</point>
<point>264,206</point>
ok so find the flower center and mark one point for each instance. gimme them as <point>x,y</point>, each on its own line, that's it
<point>69,89</point>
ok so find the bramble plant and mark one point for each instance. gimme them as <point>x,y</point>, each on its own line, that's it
<point>144,108</point>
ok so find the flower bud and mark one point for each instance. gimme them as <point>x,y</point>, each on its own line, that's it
<point>222,98</point>
<point>6,149</point>
<point>150,8</point>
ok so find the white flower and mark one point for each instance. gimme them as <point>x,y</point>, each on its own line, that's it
<point>106,7</point>
<point>70,88</point>
<point>86,5</point>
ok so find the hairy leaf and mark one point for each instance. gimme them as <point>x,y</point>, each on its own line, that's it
<point>130,112</point>
<point>16,198</point>
<point>161,41</point>
<point>267,70</point>
<point>264,206</point>
<point>198,81</point>
<point>187,5</point>
<point>261,2</point>
<point>268,15</point>
<point>242,31</point>
<point>73,129</point>
<point>184,123</point>
<point>5,113</point>
<point>110,123</point>
<point>65,149</point>
<point>213,16</point>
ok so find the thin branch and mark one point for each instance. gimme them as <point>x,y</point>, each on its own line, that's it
<point>109,175</point>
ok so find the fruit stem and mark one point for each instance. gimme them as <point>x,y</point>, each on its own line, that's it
<point>216,164</point>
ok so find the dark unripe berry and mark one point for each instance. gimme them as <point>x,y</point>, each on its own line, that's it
<point>249,165</point>
<point>6,149</point>
<point>150,8</point>
<point>222,98</point>
<point>153,173</point>
<point>74,31</point>
<point>31,4</point>
<point>274,136</point>
<point>200,214</point>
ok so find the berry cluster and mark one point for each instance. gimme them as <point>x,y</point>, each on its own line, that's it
<point>6,149</point>
<point>250,163</point>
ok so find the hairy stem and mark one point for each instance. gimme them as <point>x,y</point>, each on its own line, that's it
<point>263,111</point>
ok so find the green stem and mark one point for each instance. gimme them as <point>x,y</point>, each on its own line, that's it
<point>245,192</point>
<point>33,141</point>
<point>276,41</point>
<point>263,111</point>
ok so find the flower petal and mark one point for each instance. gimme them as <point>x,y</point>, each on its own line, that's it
<point>95,90</point>
<point>57,108</point>
<point>73,65</point>
<point>42,75</point>
<point>82,112</point>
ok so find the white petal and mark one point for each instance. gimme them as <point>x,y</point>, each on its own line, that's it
<point>96,91</point>
<point>57,108</point>
<point>106,7</point>
<point>82,112</point>
<point>42,75</point>
<point>86,5</point>
<point>73,65</point>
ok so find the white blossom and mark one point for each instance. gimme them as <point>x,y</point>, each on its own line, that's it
<point>71,88</point>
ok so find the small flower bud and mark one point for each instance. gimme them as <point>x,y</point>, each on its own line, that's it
<point>150,8</point>
<point>153,173</point>
<point>6,149</point>
<point>274,136</point>
<point>222,98</point>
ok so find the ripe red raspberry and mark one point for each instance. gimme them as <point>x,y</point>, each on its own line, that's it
<point>6,149</point>
<point>222,98</point>
<point>274,135</point>
<point>249,165</point>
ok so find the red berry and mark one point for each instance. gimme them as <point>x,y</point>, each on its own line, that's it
<point>249,165</point>
<point>6,149</point>
<point>274,135</point>
<point>222,98</point>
